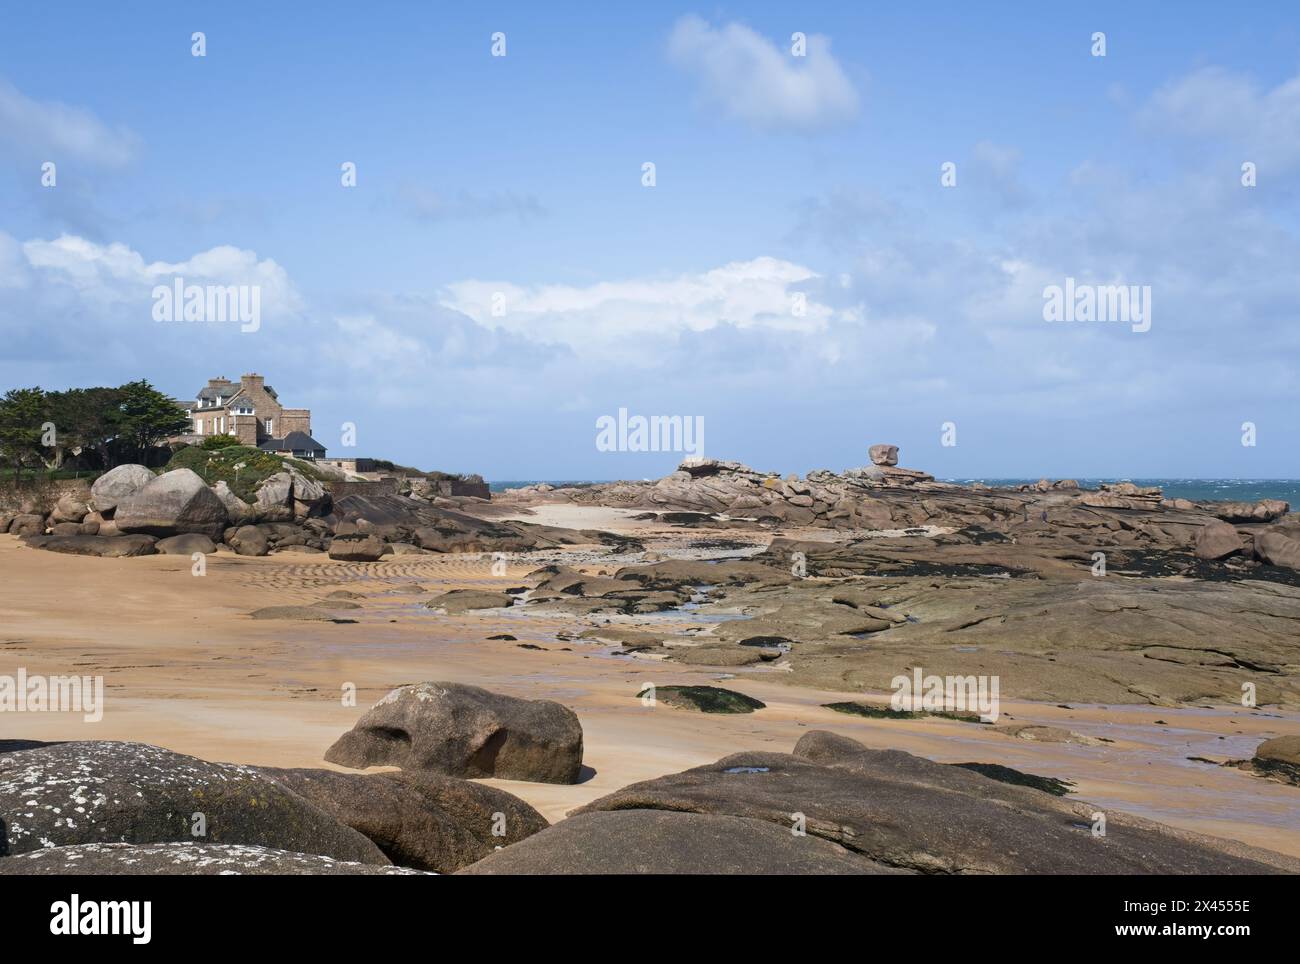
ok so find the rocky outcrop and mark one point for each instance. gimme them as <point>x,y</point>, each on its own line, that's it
<point>1125,495</point>
<point>175,502</point>
<point>105,791</point>
<point>907,812</point>
<point>1265,510</point>
<point>465,731</point>
<point>118,484</point>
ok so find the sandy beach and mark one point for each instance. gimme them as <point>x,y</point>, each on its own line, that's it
<point>186,668</point>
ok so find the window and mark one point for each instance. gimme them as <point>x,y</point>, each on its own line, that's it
<point>198,426</point>
<point>270,427</point>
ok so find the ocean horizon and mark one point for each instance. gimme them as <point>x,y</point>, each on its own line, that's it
<point>1197,490</point>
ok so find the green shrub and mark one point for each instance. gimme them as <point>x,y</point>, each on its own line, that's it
<point>214,443</point>
<point>254,466</point>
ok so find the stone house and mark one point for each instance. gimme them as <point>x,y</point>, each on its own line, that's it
<point>251,411</point>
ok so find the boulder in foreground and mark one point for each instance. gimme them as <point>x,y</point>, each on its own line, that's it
<point>908,812</point>
<point>175,502</point>
<point>190,859</point>
<point>661,842</point>
<point>117,484</point>
<point>427,821</point>
<point>104,791</point>
<point>465,731</point>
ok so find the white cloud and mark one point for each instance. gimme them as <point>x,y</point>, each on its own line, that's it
<point>749,78</point>
<point>1216,103</point>
<point>636,321</point>
<point>52,131</point>
<point>115,274</point>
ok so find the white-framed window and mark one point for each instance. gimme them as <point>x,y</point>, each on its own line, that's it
<point>270,427</point>
<point>198,426</point>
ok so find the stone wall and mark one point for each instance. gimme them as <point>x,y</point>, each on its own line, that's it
<point>478,490</point>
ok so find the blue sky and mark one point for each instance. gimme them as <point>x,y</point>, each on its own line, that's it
<point>776,177</point>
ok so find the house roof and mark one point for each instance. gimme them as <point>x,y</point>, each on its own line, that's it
<point>219,394</point>
<point>293,442</point>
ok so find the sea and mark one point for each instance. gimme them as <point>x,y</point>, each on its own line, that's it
<point>1197,490</point>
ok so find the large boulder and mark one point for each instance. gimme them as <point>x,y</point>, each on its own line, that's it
<point>185,545</point>
<point>465,731</point>
<point>109,792</point>
<point>1280,756</point>
<point>661,842</point>
<point>249,541</point>
<point>310,498</point>
<point>176,859</point>
<point>117,484</point>
<point>1279,546</point>
<point>883,454</point>
<point>69,509</point>
<point>27,524</point>
<point>175,502</point>
<point>428,821</point>
<point>106,547</point>
<point>237,510</point>
<point>359,547</point>
<point>275,498</point>
<point>909,812</point>
<point>1218,540</point>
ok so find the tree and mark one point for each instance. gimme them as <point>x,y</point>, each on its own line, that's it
<point>147,417</point>
<point>23,414</point>
<point>87,419</point>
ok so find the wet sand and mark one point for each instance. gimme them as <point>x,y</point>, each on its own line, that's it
<point>186,668</point>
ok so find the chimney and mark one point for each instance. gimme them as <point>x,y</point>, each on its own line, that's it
<point>252,380</point>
